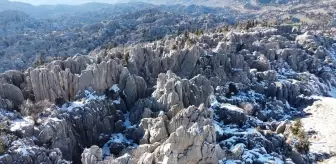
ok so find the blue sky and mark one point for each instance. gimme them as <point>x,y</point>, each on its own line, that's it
<point>43,2</point>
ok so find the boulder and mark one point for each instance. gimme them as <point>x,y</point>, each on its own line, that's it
<point>92,155</point>
<point>11,93</point>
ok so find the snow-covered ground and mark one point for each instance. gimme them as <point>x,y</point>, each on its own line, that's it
<point>115,88</point>
<point>89,96</point>
<point>18,124</point>
<point>322,122</point>
<point>119,138</point>
<point>116,138</point>
<point>257,154</point>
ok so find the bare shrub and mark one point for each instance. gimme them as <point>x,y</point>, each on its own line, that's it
<point>35,109</point>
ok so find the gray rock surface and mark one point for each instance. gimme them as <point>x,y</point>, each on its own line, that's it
<point>92,155</point>
<point>211,99</point>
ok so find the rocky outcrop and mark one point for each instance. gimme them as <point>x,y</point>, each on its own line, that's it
<point>149,62</point>
<point>12,93</point>
<point>156,108</point>
<point>172,94</point>
<point>64,80</point>
<point>172,90</point>
<point>25,151</point>
<point>87,121</point>
<point>188,137</point>
<point>11,84</point>
<point>92,155</point>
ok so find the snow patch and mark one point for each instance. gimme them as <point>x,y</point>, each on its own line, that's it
<point>332,52</point>
<point>260,156</point>
<point>115,88</point>
<point>229,161</point>
<point>117,101</point>
<point>218,128</point>
<point>53,119</point>
<point>116,138</point>
<point>22,149</point>
<point>18,124</point>
<point>5,113</point>
<point>89,96</point>
<point>214,101</point>
<point>245,96</point>
<point>232,107</point>
<point>119,138</point>
<point>218,47</point>
<point>127,122</point>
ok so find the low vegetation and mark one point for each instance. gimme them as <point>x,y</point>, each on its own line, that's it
<point>302,143</point>
<point>2,147</point>
<point>35,109</point>
<point>126,58</point>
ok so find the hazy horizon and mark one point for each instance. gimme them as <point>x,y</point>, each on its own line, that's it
<point>67,2</point>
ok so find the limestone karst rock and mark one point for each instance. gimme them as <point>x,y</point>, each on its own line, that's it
<point>186,138</point>
<point>64,79</point>
<point>172,90</point>
<point>25,151</point>
<point>164,105</point>
<point>174,93</point>
<point>92,155</point>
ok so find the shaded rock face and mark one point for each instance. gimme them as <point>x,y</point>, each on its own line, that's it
<point>66,129</point>
<point>11,96</point>
<point>25,151</point>
<point>12,93</point>
<point>79,128</point>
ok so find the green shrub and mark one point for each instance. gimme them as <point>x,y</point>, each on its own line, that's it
<point>126,58</point>
<point>186,34</point>
<point>302,145</point>
<point>40,61</point>
<point>174,47</point>
<point>226,28</point>
<point>199,32</point>
<point>34,109</point>
<point>296,128</point>
<point>3,126</point>
<point>2,147</point>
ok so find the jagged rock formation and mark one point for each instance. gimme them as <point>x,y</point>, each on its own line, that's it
<point>25,151</point>
<point>153,107</point>
<point>65,79</point>
<point>186,138</point>
<point>69,30</point>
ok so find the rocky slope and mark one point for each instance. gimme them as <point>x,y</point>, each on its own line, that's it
<point>29,34</point>
<point>211,98</point>
<point>25,39</point>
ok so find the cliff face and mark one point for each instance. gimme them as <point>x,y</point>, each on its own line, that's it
<point>190,99</point>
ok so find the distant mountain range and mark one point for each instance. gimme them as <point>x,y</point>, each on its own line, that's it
<point>79,6</point>
<point>50,11</point>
